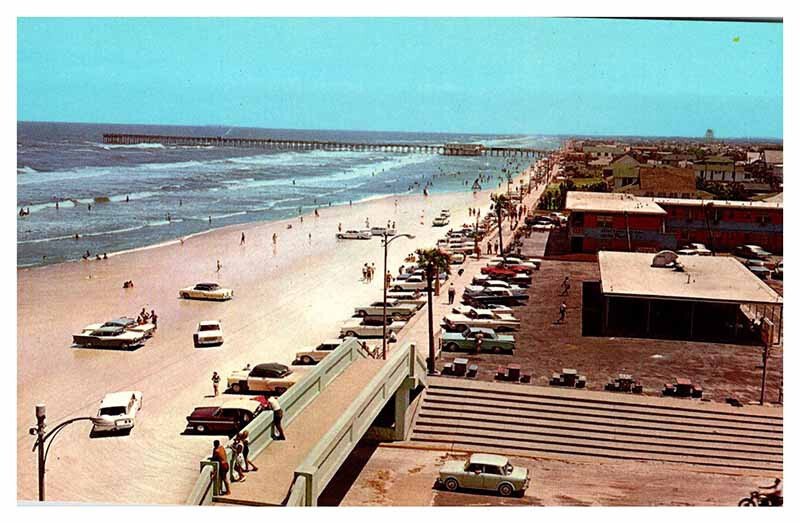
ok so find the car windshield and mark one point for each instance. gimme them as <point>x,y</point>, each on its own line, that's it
<point>112,411</point>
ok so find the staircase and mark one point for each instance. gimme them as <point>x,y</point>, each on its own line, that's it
<point>524,420</point>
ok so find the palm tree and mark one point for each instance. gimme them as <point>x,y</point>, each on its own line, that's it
<point>435,262</point>
<point>501,205</point>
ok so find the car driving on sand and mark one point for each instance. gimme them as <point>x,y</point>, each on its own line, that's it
<point>354,235</point>
<point>208,333</point>
<point>117,412</point>
<point>109,337</point>
<point>206,291</point>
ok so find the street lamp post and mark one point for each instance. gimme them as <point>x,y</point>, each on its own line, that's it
<point>386,242</point>
<point>41,438</point>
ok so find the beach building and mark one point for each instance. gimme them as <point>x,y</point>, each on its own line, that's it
<point>624,171</point>
<point>719,169</point>
<point>625,222</point>
<point>675,182</point>
<point>709,298</point>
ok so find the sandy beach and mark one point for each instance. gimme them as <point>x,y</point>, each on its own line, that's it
<point>286,297</point>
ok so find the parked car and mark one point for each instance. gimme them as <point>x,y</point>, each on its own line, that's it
<point>528,263</point>
<point>380,231</point>
<point>206,291</point>
<point>751,252</point>
<point>759,268</point>
<point>472,290</point>
<point>441,221</point>
<point>414,298</point>
<point>228,418</point>
<point>445,212</point>
<point>129,324</point>
<point>265,377</point>
<point>517,278</point>
<point>111,337</point>
<point>480,318</point>
<point>695,249</point>
<point>393,309</point>
<point>209,332</point>
<point>117,412</point>
<point>467,340</point>
<point>493,295</point>
<point>484,472</point>
<point>457,258</point>
<point>412,283</point>
<point>364,328</point>
<point>313,355</point>
<point>354,235</point>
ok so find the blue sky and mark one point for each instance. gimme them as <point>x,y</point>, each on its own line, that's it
<point>527,76</point>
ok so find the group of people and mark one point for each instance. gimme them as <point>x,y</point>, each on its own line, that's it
<point>87,256</point>
<point>128,284</point>
<point>144,317</point>
<point>368,272</point>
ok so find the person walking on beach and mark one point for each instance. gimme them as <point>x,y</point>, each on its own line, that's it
<point>218,455</point>
<point>565,286</point>
<point>364,273</point>
<point>244,439</point>
<point>274,238</point>
<point>219,266</point>
<point>366,222</point>
<point>241,242</point>
<point>215,382</point>
<point>340,226</point>
<point>451,294</point>
<point>372,271</point>
<point>277,418</point>
<point>388,278</point>
<point>316,213</point>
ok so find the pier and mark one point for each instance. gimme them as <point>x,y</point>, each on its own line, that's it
<point>448,149</point>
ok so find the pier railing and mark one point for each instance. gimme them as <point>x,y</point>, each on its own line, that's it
<point>447,149</point>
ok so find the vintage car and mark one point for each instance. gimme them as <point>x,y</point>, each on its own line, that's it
<point>354,235</point>
<point>117,412</point>
<point>129,324</point>
<point>393,309</point>
<point>228,418</point>
<point>484,472</point>
<point>516,290</point>
<point>444,212</point>
<point>380,231</point>
<point>414,298</point>
<point>111,337</point>
<point>208,333</point>
<point>517,278</point>
<point>441,221</point>
<point>414,282</point>
<point>275,378</point>
<point>206,291</point>
<point>457,258</point>
<point>695,249</point>
<point>493,295</point>
<point>683,388</point>
<point>366,328</point>
<point>533,263</point>
<point>483,318</point>
<point>467,340</point>
<point>313,355</point>
<point>759,268</point>
<point>778,274</point>
<point>751,252</point>
<point>524,267</point>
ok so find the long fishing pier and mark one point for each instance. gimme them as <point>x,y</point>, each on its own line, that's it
<point>448,149</point>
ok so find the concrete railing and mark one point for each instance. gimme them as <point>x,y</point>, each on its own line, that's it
<point>403,371</point>
<point>292,402</point>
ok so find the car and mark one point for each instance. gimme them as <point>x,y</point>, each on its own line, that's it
<point>274,378</point>
<point>778,273</point>
<point>414,282</point>
<point>760,271</point>
<point>484,472</point>
<point>694,252</point>
<point>414,298</point>
<point>110,337</point>
<point>445,212</point>
<point>313,355</point>
<point>529,263</point>
<point>441,221</point>
<point>751,252</point>
<point>206,291</point>
<point>480,318</point>
<point>129,324</point>
<point>393,309</point>
<point>474,290</point>
<point>209,332</point>
<point>353,234</point>
<point>364,328</point>
<point>517,278</point>
<point>467,340</point>
<point>493,295</point>
<point>117,412</point>
<point>228,418</point>
<point>380,231</point>
<point>457,258</point>
<point>465,248</point>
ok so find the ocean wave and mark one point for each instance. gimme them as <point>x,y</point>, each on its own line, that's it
<point>109,146</point>
<point>158,223</point>
<point>26,169</point>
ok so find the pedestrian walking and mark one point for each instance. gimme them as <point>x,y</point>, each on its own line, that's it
<point>364,273</point>
<point>497,248</point>
<point>388,278</point>
<point>372,271</point>
<point>451,294</point>
<point>277,418</point>
<point>340,226</point>
<point>274,238</point>
<point>241,242</point>
<point>218,455</point>
<point>244,437</point>
<point>565,285</point>
<point>219,266</point>
<point>215,382</point>
<point>238,461</point>
<point>562,312</point>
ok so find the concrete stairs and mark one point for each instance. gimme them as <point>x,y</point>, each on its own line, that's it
<point>457,414</point>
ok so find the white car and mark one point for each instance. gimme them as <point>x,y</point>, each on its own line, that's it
<point>380,231</point>
<point>358,328</point>
<point>475,290</point>
<point>206,291</point>
<point>414,282</point>
<point>393,309</point>
<point>354,235</point>
<point>117,412</point>
<point>533,263</point>
<point>414,298</point>
<point>313,355</point>
<point>445,212</point>
<point>441,221</point>
<point>481,318</point>
<point>457,258</point>
<point>208,333</point>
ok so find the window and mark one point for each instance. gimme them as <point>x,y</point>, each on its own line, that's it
<point>491,469</point>
<point>605,221</point>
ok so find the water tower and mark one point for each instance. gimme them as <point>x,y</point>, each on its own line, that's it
<point>709,135</point>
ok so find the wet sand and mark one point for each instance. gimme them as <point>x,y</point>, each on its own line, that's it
<point>285,298</point>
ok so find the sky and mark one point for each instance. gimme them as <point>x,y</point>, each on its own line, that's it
<point>513,75</point>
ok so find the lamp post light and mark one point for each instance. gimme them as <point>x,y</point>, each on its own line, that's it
<point>41,438</point>
<point>386,242</point>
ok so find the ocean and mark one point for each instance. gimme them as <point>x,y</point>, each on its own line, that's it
<point>147,194</point>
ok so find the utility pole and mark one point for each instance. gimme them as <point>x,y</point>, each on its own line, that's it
<point>764,358</point>
<point>40,434</point>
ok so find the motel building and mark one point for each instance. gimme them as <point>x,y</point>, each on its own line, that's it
<point>625,222</point>
<point>666,296</point>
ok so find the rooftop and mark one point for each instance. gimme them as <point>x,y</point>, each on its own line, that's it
<point>711,279</point>
<point>717,203</point>
<point>610,202</point>
<point>667,180</point>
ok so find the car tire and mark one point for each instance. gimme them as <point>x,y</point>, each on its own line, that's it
<point>362,314</point>
<point>238,388</point>
<point>307,360</point>
<point>200,429</point>
<point>505,489</point>
<point>185,296</point>
<point>451,347</point>
<point>451,484</point>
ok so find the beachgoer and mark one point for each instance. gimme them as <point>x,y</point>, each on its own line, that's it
<point>105,256</point>
<point>364,272</point>
<point>451,294</point>
<point>340,226</point>
<point>215,379</point>
<point>219,265</point>
<point>565,286</point>
<point>366,222</point>
<point>153,318</point>
<point>277,418</point>
<point>388,278</point>
<point>209,219</point>
<point>218,455</point>
<point>241,242</point>
<point>238,461</point>
<point>372,272</point>
<point>127,198</point>
<point>562,312</point>
<point>244,438</point>
<point>301,219</point>
<point>274,238</point>
<point>316,213</point>
<point>97,257</point>
<point>90,206</point>
<point>309,237</point>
